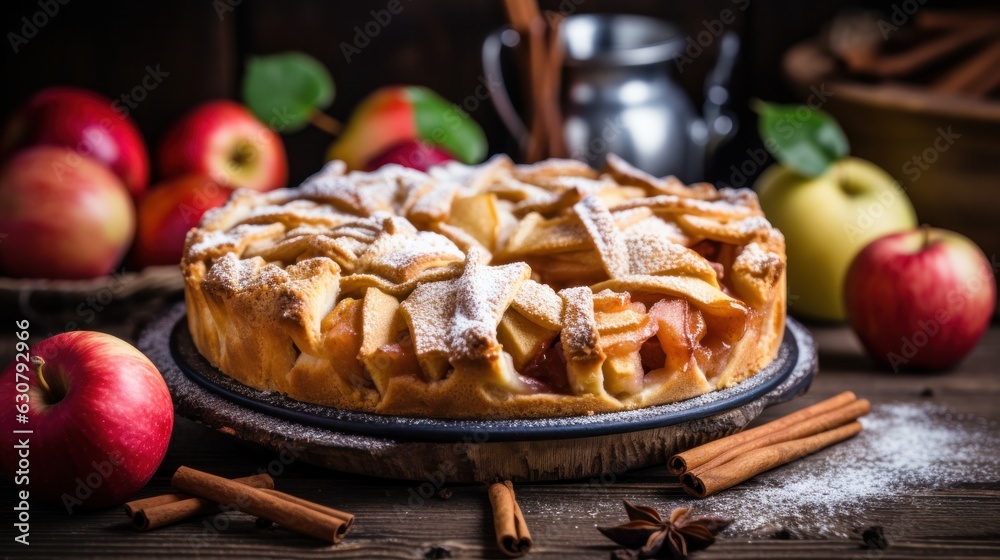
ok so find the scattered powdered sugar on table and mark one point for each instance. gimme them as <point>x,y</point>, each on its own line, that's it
<point>904,449</point>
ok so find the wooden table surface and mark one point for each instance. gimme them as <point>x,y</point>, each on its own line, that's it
<point>961,520</point>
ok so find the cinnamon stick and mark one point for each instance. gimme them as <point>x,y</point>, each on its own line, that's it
<point>289,515</point>
<point>951,19</point>
<point>823,422</point>
<point>977,76</point>
<point>537,142</point>
<point>926,53</point>
<point>553,83</point>
<point>764,459</point>
<point>682,462</point>
<point>521,13</point>
<point>544,54</point>
<point>512,533</point>
<point>347,518</point>
<point>157,511</point>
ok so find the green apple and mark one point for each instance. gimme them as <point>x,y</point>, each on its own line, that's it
<point>826,221</point>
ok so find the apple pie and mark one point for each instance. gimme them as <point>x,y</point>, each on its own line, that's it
<point>489,291</point>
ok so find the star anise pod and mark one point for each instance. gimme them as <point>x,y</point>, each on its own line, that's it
<point>647,535</point>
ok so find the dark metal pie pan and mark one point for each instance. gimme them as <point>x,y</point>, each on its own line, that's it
<point>788,375</point>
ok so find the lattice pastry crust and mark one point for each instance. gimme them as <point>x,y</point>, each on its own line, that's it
<point>490,291</point>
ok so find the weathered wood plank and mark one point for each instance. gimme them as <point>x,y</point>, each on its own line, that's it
<point>395,521</point>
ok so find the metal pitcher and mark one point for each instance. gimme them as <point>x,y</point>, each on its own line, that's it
<point>619,95</point>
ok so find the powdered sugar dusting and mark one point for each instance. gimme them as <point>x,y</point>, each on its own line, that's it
<point>212,243</point>
<point>655,226</point>
<point>541,303</point>
<point>903,449</point>
<point>652,254</point>
<point>670,202</point>
<point>607,238</point>
<point>482,294</point>
<point>579,334</point>
<point>581,184</point>
<point>756,259</point>
<point>753,224</point>
<point>403,255</point>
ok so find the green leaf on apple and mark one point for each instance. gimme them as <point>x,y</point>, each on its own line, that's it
<point>441,122</point>
<point>804,139</point>
<point>285,90</point>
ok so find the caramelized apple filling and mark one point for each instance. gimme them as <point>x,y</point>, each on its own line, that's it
<point>393,360</point>
<point>546,372</point>
<point>672,336</point>
<point>567,270</point>
<point>720,256</point>
<point>652,334</point>
<point>342,337</point>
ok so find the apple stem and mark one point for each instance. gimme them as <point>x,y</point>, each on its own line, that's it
<point>325,122</point>
<point>845,182</point>
<point>36,363</point>
<point>927,234</point>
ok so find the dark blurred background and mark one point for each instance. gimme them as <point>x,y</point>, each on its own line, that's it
<point>199,51</point>
<point>108,46</point>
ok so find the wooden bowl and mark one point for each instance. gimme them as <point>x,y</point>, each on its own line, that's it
<point>944,150</point>
<point>111,303</point>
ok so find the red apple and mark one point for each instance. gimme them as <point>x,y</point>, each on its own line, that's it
<point>920,299</point>
<point>62,215</point>
<point>168,211</point>
<point>225,141</point>
<point>86,122</point>
<point>100,417</point>
<point>411,153</point>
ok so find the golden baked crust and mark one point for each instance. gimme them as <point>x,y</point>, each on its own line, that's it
<point>490,291</point>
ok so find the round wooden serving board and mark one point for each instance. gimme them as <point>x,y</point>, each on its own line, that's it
<point>467,450</point>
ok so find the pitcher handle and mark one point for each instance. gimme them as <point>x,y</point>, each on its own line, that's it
<point>721,122</point>
<point>492,48</point>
